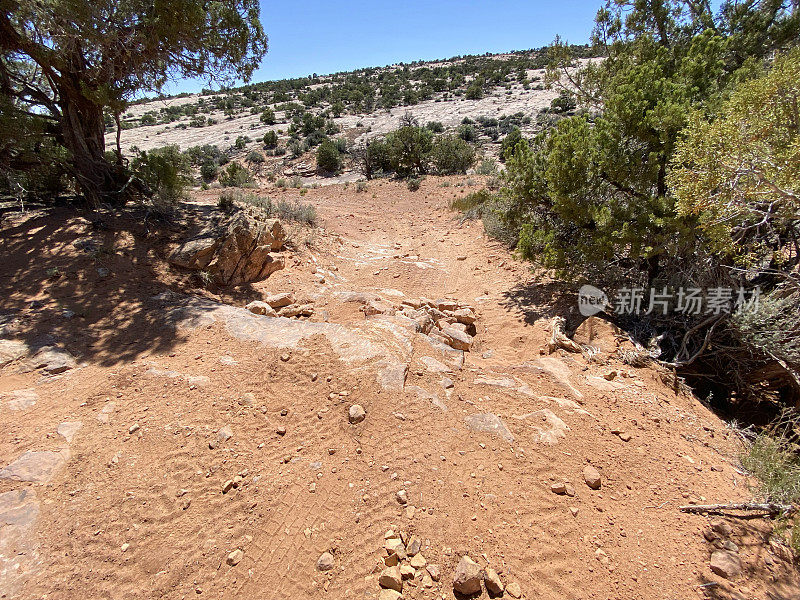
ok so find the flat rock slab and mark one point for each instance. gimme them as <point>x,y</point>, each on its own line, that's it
<point>68,429</point>
<point>382,344</point>
<point>19,511</point>
<point>548,427</point>
<point>20,399</point>
<point>54,360</point>
<point>505,382</point>
<point>559,370</point>
<point>489,423</point>
<point>603,385</point>
<point>11,350</point>
<point>37,466</point>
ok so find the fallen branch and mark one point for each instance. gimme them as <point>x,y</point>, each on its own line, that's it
<point>771,508</point>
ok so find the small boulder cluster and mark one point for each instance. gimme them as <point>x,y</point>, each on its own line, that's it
<point>469,577</point>
<point>443,320</point>
<point>238,250</point>
<point>280,305</point>
<point>403,564</point>
<point>725,560</point>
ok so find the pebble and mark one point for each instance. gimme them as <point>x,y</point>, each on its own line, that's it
<point>434,571</point>
<point>133,428</point>
<point>235,557</point>
<point>325,562</point>
<point>513,590</point>
<point>592,477</point>
<point>401,496</point>
<point>356,414</point>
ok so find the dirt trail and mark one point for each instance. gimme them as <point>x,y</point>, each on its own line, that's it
<point>133,505</point>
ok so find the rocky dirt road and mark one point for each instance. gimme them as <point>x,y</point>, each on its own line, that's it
<point>167,443</point>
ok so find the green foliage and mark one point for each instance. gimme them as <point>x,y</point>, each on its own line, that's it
<point>241,142</point>
<point>270,139</point>
<point>474,91</point>
<point>435,126</point>
<point>410,147</point>
<point>468,133</point>
<point>78,46</point>
<point>590,194</point>
<point>235,175</point>
<point>774,459</point>
<point>329,159</point>
<point>414,184</point>
<point>268,116</point>
<point>772,326</point>
<point>509,144</point>
<point>740,173</point>
<point>292,211</point>
<point>451,155</point>
<point>488,166</point>
<point>165,171</point>
<point>254,156</point>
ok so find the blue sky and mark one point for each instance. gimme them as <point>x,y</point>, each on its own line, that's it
<point>324,37</point>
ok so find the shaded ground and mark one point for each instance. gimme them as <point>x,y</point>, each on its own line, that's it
<point>133,505</point>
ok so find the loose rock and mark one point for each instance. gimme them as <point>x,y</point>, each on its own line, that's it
<point>325,562</point>
<point>391,578</point>
<point>592,477</point>
<point>356,414</point>
<point>726,564</point>
<point>468,576</point>
<point>492,581</point>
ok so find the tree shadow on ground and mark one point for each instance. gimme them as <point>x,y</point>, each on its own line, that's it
<point>544,300</point>
<point>777,573</point>
<point>90,288</point>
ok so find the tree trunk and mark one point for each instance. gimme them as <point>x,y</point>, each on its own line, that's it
<point>83,131</point>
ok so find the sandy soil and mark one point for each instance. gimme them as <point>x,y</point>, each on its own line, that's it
<point>132,505</point>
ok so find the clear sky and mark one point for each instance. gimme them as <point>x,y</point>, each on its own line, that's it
<point>312,36</point>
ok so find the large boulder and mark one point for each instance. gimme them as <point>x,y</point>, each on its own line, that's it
<point>236,252</point>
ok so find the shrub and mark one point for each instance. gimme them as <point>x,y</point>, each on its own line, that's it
<point>268,116</point>
<point>165,171</point>
<point>488,166</point>
<point>294,211</point>
<point>467,133</point>
<point>774,460</point>
<point>565,102</point>
<point>410,148</point>
<point>329,159</point>
<point>509,144</point>
<point>235,175</point>
<point>270,139</point>
<point>413,184</point>
<point>474,91</point>
<point>241,142</point>
<point>209,171</point>
<point>435,126</point>
<point>452,155</point>
<point>254,156</point>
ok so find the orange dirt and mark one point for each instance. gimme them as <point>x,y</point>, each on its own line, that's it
<point>139,512</point>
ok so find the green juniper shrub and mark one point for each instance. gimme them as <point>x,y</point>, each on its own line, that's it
<point>235,175</point>
<point>329,159</point>
<point>451,155</point>
<point>165,171</point>
<point>270,139</point>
